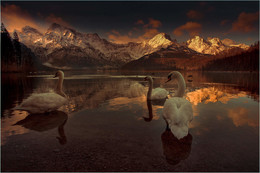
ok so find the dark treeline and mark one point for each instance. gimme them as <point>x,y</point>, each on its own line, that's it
<point>245,61</point>
<point>15,56</point>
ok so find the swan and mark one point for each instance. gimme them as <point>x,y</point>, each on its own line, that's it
<point>45,102</point>
<point>177,111</point>
<point>157,93</point>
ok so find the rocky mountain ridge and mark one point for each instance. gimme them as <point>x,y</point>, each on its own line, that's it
<point>63,47</point>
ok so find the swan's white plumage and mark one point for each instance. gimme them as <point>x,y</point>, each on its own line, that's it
<point>178,113</point>
<point>135,90</point>
<point>159,93</point>
<point>43,102</point>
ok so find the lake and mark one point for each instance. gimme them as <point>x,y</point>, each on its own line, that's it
<point>109,126</point>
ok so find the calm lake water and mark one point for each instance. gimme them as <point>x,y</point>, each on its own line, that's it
<point>109,126</point>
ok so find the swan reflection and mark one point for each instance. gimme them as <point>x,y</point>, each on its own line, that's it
<point>45,122</point>
<point>175,150</point>
<point>150,112</point>
<point>93,94</point>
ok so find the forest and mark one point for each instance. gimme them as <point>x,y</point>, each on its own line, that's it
<point>245,61</point>
<point>15,56</point>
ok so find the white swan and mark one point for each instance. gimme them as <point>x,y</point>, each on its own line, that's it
<point>45,102</point>
<point>157,93</point>
<point>177,111</point>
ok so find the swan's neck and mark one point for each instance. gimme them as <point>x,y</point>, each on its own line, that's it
<point>59,84</point>
<point>181,85</point>
<point>149,94</point>
<point>59,87</point>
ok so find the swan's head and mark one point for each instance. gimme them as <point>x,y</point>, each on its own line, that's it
<point>173,74</point>
<point>59,73</point>
<point>148,78</point>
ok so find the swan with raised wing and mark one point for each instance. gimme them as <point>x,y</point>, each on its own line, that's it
<point>157,93</point>
<point>45,102</point>
<point>177,111</point>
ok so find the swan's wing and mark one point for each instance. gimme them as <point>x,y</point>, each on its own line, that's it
<point>43,102</point>
<point>170,111</point>
<point>159,93</point>
<point>135,90</point>
<point>186,111</point>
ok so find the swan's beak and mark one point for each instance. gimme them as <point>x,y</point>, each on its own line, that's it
<point>55,75</point>
<point>145,78</point>
<point>168,80</point>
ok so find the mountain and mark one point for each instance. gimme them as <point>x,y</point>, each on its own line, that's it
<point>244,61</point>
<point>174,57</point>
<point>63,47</point>
<point>92,51</point>
<point>161,40</point>
<point>212,46</point>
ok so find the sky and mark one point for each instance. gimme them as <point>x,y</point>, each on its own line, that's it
<point>134,21</point>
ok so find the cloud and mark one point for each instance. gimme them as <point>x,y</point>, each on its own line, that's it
<point>193,28</point>
<point>224,22</point>
<point>148,31</point>
<point>192,14</point>
<point>15,18</point>
<point>122,39</point>
<point>55,19</point>
<point>153,23</point>
<point>242,117</point>
<point>140,22</point>
<point>246,22</point>
<point>116,37</point>
<point>228,41</point>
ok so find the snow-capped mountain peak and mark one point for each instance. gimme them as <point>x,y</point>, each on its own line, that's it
<point>210,46</point>
<point>160,40</point>
<point>64,43</point>
<point>198,44</point>
<point>215,41</point>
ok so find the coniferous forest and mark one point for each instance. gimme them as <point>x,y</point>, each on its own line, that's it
<point>15,56</point>
<point>245,61</point>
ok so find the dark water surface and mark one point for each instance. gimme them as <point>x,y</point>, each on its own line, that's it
<point>109,126</point>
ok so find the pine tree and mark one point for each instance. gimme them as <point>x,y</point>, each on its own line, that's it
<point>7,54</point>
<point>17,48</point>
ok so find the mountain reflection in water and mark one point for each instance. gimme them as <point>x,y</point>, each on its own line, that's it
<point>108,110</point>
